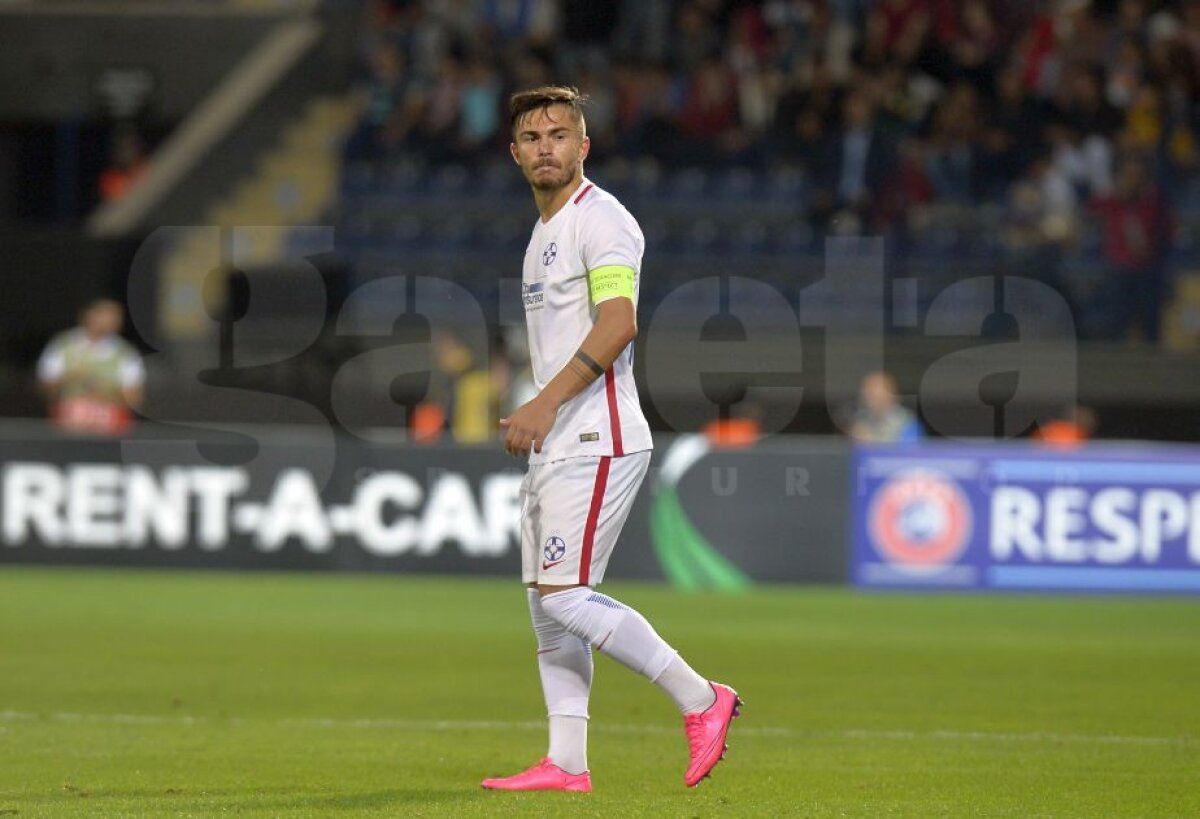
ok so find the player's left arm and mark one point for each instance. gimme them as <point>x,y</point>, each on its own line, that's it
<point>615,326</point>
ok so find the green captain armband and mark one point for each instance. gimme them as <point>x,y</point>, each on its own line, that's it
<point>610,281</point>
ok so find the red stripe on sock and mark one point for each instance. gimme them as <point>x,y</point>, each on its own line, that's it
<point>614,414</point>
<point>589,529</point>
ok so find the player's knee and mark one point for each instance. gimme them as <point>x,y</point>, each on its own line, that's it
<point>563,604</point>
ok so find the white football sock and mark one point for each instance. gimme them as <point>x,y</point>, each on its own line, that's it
<point>691,692</point>
<point>612,628</point>
<point>568,743</point>
<point>565,666</point>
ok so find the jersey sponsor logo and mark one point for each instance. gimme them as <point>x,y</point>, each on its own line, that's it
<point>533,296</point>
<point>920,521</point>
<point>549,254</point>
<point>553,552</point>
<point>588,437</point>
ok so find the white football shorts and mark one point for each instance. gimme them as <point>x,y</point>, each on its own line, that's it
<point>572,512</point>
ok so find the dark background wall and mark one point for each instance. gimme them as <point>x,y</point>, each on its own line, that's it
<point>50,63</point>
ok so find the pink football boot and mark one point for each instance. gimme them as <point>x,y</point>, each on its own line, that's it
<point>544,776</point>
<point>706,733</point>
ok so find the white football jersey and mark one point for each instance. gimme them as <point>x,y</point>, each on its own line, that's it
<point>592,230</point>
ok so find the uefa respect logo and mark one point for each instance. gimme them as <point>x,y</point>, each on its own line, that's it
<point>920,521</point>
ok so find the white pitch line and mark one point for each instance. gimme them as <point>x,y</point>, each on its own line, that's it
<point>615,728</point>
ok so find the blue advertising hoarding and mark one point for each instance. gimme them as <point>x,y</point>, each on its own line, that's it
<point>1016,517</point>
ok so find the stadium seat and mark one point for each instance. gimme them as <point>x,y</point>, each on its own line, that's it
<point>786,185</point>
<point>701,236</point>
<point>793,237</point>
<point>402,178</point>
<point>688,185</point>
<point>647,179</point>
<point>738,184</point>
<point>750,237</point>
<point>449,180</point>
<point>510,234</point>
<point>406,232</point>
<point>499,179</point>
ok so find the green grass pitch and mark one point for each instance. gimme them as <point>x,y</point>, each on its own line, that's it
<point>145,693</point>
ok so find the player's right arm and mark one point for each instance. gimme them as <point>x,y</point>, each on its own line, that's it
<point>614,328</point>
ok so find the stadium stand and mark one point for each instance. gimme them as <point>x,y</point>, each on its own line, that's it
<point>994,134</point>
<point>994,131</point>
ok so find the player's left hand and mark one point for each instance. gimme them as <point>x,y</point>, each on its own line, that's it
<point>528,426</point>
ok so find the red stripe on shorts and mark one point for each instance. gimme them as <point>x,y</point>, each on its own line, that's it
<point>589,528</point>
<point>585,192</point>
<point>614,414</point>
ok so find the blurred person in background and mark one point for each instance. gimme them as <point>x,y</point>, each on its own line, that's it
<point>519,387</point>
<point>857,162</point>
<point>1068,429</point>
<point>903,202</point>
<point>903,25</point>
<point>1041,226</point>
<point>92,377</point>
<point>951,162</point>
<point>643,29</point>
<point>380,105</point>
<point>710,113</point>
<point>880,418</point>
<point>1009,140</point>
<point>479,121</point>
<point>127,164</point>
<point>462,395</point>
<point>1137,240</point>
<point>740,429</point>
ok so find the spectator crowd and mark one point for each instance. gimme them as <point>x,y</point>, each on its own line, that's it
<point>1059,112</point>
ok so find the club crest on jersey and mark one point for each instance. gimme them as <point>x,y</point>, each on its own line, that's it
<point>549,254</point>
<point>920,521</point>
<point>555,548</point>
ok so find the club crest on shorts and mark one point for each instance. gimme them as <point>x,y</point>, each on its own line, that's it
<point>555,548</point>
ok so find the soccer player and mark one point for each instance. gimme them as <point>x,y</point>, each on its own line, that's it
<point>588,446</point>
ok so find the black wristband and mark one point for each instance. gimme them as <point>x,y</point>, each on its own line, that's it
<point>590,362</point>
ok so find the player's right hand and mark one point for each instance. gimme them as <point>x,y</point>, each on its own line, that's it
<point>528,426</point>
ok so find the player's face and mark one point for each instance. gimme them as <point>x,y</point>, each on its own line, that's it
<point>550,147</point>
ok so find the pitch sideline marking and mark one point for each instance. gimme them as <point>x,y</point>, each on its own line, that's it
<point>616,728</point>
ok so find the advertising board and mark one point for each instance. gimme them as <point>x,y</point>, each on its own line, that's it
<point>1121,518</point>
<point>283,497</point>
